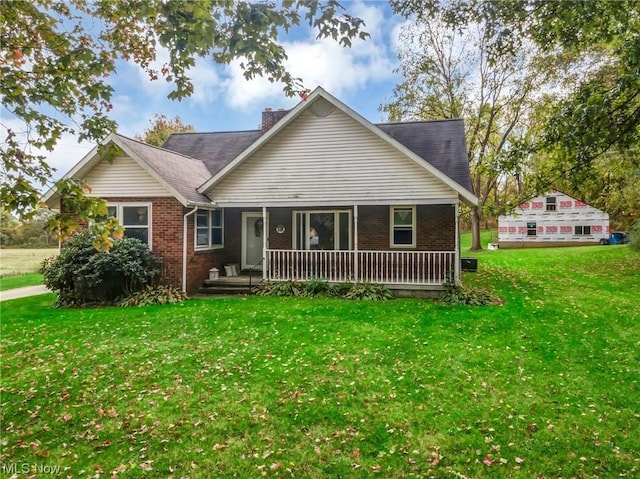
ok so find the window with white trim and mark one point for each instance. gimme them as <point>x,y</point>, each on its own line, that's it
<point>135,218</point>
<point>322,230</point>
<point>209,229</point>
<point>403,226</point>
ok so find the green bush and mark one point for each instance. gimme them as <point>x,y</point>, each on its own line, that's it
<point>368,291</point>
<point>82,275</point>
<point>634,236</point>
<point>279,288</point>
<point>459,294</point>
<point>155,295</point>
<point>317,287</point>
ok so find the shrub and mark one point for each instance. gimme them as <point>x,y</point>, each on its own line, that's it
<point>279,288</point>
<point>82,275</point>
<point>368,291</point>
<point>634,236</point>
<point>317,287</point>
<point>155,295</point>
<point>459,294</point>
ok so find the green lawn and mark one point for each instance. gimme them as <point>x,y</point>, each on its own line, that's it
<point>486,237</point>
<point>19,281</point>
<point>546,385</point>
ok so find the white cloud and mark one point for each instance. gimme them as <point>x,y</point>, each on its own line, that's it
<point>65,155</point>
<point>322,63</point>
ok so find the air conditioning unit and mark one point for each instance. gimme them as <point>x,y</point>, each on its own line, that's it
<point>469,265</point>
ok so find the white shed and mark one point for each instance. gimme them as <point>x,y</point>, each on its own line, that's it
<point>553,219</point>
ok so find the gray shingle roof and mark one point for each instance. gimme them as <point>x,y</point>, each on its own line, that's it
<point>216,150</point>
<point>182,173</point>
<point>441,143</point>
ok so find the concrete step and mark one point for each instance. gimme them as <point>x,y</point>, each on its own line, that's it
<point>225,289</point>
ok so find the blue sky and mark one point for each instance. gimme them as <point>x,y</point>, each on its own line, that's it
<point>361,76</point>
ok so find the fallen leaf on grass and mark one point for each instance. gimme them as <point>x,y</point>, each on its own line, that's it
<point>487,460</point>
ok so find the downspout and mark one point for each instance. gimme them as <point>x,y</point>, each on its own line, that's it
<point>184,248</point>
<point>356,269</point>
<point>457,253</point>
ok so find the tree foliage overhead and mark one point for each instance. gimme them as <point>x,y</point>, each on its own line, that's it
<point>162,128</point>
<point>599,44</point>
<point>56,58</point>
<point>455,72</point>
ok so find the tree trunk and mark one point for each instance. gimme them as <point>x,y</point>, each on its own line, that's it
<point>476,216</point>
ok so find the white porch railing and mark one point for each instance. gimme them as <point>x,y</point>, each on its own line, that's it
<point>387,267</point>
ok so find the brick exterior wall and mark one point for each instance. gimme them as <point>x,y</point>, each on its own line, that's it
<point>435,225</point>
<point>435,232</point>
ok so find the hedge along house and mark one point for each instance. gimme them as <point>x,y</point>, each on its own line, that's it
<point>553,219</point>
<point>319,191</point>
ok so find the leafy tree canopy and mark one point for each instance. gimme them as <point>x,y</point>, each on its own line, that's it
<point>162,128</point>
<point>56,58</point>
<point>600,47</point>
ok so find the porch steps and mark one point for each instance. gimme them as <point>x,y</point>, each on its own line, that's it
<point>233,285</point>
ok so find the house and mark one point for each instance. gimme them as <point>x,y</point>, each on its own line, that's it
<point>318,191</point>
<point>553,219</point>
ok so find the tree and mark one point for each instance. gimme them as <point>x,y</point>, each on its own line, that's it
<point>56,58</point>
<point>161,128</point>
<point>599,48</point>
<point>455,73</point>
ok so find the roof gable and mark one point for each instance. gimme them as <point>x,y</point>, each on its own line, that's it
<point>180,175</point>
<point>320,103</point>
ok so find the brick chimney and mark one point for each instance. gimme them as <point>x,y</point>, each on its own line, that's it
<point>270,117</point>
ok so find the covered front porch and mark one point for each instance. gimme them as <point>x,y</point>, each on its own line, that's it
<point>429,268</point>
<point>414,246</point>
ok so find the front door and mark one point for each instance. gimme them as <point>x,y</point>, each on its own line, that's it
<point>252,240</point>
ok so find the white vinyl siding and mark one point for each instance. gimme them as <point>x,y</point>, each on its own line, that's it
<point>331,158</point>
<point>123,177</point>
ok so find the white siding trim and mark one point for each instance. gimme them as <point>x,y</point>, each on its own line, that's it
<point>123,177</point>
<point>329,159</point>
<point>318,95</point>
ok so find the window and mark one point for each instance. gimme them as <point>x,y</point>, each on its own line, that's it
<point>403,225</point>
<point>135,218</point>
<point>551,203</point>
<point>531,228</point>
<point>583,230</point>
<point>322,230</point>
<point>209,229</point>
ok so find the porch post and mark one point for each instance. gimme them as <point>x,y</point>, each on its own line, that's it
<point>457,253</point>
<point>265,232</point>
<point>356,269</point>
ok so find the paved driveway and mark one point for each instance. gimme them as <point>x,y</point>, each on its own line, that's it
<point>23,292</point>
